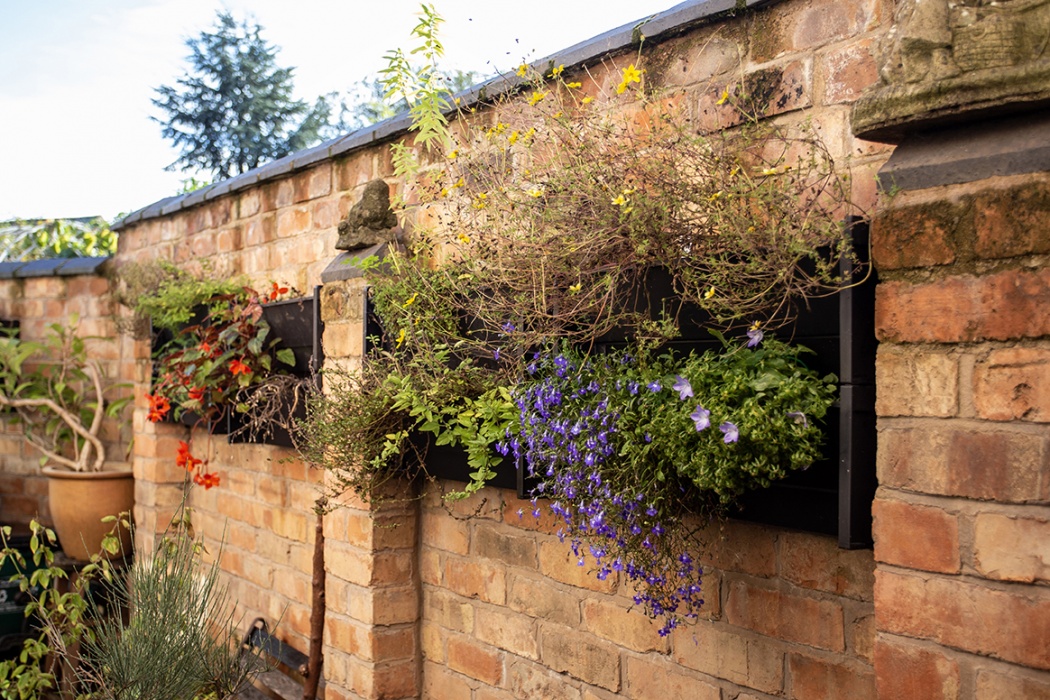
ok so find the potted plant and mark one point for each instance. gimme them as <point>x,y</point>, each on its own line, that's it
<point>61,399</point>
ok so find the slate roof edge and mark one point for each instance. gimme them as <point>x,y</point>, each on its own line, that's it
<point>660,25</point>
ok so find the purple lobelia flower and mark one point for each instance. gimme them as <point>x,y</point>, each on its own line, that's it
<point>732,433</point>
<point>683,387</point>
<point>702,417</point>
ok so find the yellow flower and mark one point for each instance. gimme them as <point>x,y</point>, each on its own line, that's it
<point>444,191</point>
<point>401,337</point>
<point>536,192</point>
<point>734,171</point>
<point>573,85</point>
<point>459,183</point>
<point>755,325</point>
<point>628,191</point>
<point>575,288</point>
<point>724,98</point>
<point>558,114</point>
<point>715,196</point>
<point>558,71</point>
<point>587,100</point>
<point>453,155</point>
<point>457,100</point>
<point>530,133</point>
<point>628,210</point>
<point>463,238</point>
<point>769,171</point>
<point>709,293</point>
<point>537,96</point>
<point>630,75</point>
<point>411,300</point>
<point>479,201</point>
<point>522,70</point>
<point>513,138</point>
<point>619,200</point>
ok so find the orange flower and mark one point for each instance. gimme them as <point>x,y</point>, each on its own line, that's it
<point>158,407</point>
<point>206,480</point>
<point>184,459</point>
<point>277,291</point>
<point>238,367</point>
<point>197,393</point>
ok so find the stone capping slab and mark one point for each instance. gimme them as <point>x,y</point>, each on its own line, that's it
<point>977,151</point>
<point>53,267</point>
<point>661,25</point>
<point>343,268</point>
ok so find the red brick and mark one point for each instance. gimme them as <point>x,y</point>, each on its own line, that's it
<point>1012,222</point>
<point>439,682</point>
<point>817,562</point>
<point>475,579</point>
<point>1010,625</point>
<point>655,680</point>
<point>817,623</point>
<point>818,678</point>
<point>529,680</point>
<point>293,221</point>
<point>509,549</point>
<point>627,627</point>
<point>441,531</point>
<point>448,611</point>
<point>740,547</point>
<point>904,669</point>
<point>1013,384</point>
<point>914,383</point>
<point>921,235</point>
<point>1006,466</point>
<point>315,182</point>
<point>579,655</point>
<point>848,72</point>
<point>996,685</point>
<point>518,513</point>
<point>1012,548</point>
<point>478,661</point>
<point>916,537</point>
<point>999,306</point>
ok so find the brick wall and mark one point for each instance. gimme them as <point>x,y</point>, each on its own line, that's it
<point>37,303</point>
<point>961,517</point>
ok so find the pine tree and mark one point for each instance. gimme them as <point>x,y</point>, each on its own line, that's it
<point>233,109</point>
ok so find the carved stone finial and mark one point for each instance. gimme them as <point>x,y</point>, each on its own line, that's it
<point>370,221</point>
<point>950,60</point>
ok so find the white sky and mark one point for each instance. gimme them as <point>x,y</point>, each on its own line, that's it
<point>77,76</point>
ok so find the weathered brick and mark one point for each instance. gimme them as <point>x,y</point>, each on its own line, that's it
<point>905,669</point>
<point>478,661</point>
<point>581,656</point>
<point>1009,625</point>
<point>1013,384</point>
<point>817,678</point>
<point>622,625</point>
<point>505,630</point>
<point>920,235</point>
<point>439,682</point>
<point>849,71</point>
<point>509,549</point>
<point>1012,548</point>
<point>914,383</point>
<point>915,536</point>
<point>1006,466</point>
<point>558,562</point>
<point>817,562</point>
<point>293,221</point>
<point>817,623</point>
<point>445,533</point>
<point>448,611</point>
<point>801,26</point>
<point>315,182</point>
<point>526,679</point>
<point>997,685</point>
<point>476,579</point>
<point>998,306</point>
<point>724,653</point>
<point>541,600</point>
<point>741,547</point>
<point>1011,222</point>
<point>647,679</point>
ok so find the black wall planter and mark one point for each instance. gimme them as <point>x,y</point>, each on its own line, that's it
<point>297,323</point>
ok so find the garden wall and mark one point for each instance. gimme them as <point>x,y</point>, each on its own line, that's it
<point>472,601</point>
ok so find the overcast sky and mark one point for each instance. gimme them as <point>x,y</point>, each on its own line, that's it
<point>77,76</point>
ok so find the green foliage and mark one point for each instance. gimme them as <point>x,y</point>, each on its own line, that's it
<point>371,103</point>
<point>169,296</point>
<point>56,238</point>
<point>233,109</point>
<point>58,396</point>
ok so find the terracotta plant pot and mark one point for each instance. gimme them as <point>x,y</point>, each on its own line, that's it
<point>79,501</point>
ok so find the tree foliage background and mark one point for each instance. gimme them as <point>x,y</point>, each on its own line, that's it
<point>55,238</point>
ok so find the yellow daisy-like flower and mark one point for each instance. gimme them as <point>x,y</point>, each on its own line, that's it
<point>755,325</point>
<point>573,85</point>
<point>530,133</point>
<point>619,200</point>
<point>537,97</point>
<point>479,201</point>
<point>444,192</point>
<point>558,114</point>
<point>457,100</point>
<point>401,337</point>
<point>513,138</point>
<point>630,75</point>
<point>522,70</point>
<point>558,71</point>
<point>714,197</point>
<point>536,192</point>
<point>587,100</point>
<point>724,98</point>
<point>709,293</point>
<point>463,238</point>
<point>575,288</point>
<point>734,171</point>
<point>453,155</point>
<point>411,300</point>
<point>459,183</point>
<point>769,171</point>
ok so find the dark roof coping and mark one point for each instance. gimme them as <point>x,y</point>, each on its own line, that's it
<point>660,25</point>
<point>51,267</point>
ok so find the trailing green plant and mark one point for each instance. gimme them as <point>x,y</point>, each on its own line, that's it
<point>59,396</point>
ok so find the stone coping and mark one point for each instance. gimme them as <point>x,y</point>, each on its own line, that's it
<point>53,267</point>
